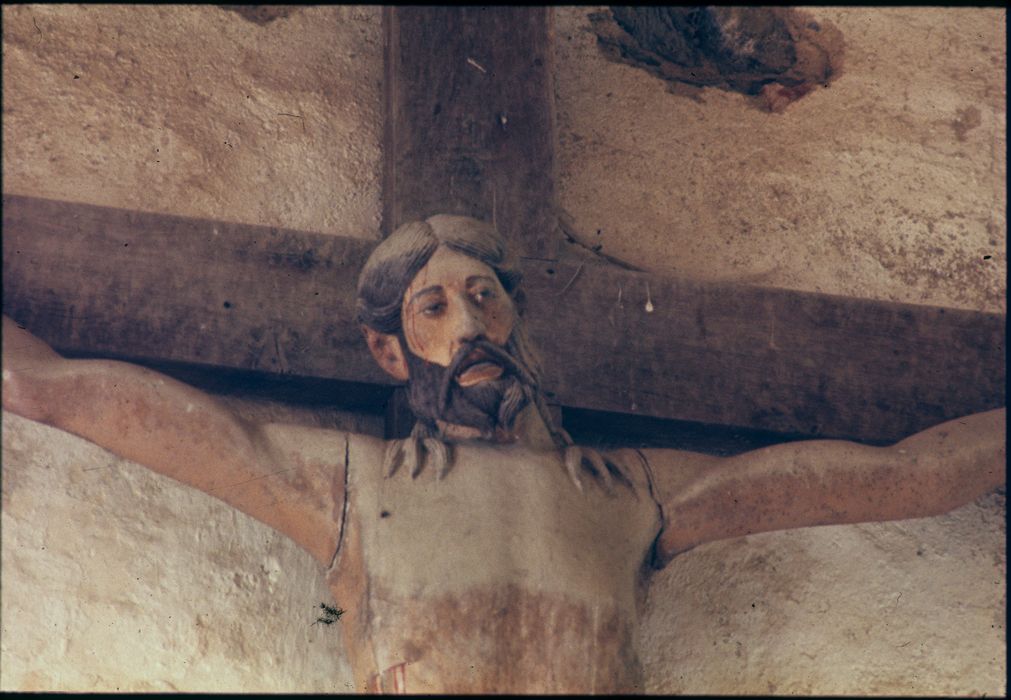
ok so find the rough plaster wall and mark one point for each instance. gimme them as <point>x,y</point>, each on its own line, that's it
<point>188,110</point>
<point>116,578</point>
<point>915,607</point>
<point>890,184</point>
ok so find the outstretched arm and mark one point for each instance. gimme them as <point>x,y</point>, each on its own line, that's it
<point>280,475</point>
<point>825,482</point>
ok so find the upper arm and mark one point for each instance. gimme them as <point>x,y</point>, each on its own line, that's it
<point>288,477</point>
<point>772,488</point>
<point>672,473</point>
<point>822,482</point>
<point>302,489</point>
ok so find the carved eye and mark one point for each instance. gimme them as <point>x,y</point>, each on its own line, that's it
<point>434,308</point>
<point>482,294</point>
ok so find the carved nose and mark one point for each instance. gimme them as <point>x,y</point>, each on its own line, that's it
<point>469,325</point>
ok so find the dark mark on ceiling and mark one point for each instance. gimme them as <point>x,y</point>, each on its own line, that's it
<point>775,55</point>
<point>261,14</point>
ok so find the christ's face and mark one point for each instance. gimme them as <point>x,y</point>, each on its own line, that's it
<point>456,348</point>
<point>453,300</point>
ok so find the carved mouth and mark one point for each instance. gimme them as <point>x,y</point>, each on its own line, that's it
<point>478,368</point>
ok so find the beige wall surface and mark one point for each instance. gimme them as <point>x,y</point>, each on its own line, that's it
<point>114,578</point>
<point>915,607</point>
<point>889,184</point>
<point>188,110</point>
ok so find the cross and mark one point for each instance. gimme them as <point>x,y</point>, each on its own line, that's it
<point>470,130</point>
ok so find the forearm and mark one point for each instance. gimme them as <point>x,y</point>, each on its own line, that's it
<point>831,482</point>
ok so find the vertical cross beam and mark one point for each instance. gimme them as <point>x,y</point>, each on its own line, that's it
<point>469,127</point>
<point>470,119</point>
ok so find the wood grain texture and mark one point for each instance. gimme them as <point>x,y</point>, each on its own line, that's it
<point>764,358</point>
<point>470,119</point>
<point>469,127</point>
<point>176,289</point>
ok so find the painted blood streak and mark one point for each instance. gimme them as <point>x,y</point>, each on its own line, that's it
<point>486,640</point>
<point>392,681</point>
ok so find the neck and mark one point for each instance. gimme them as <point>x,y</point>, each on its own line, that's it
<point>528,430</point>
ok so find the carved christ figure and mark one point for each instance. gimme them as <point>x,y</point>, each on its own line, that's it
<point>485,553</point>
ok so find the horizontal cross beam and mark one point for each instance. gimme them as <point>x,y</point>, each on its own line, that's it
<point>97,280</point>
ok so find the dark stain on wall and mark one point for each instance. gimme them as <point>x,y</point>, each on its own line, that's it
<point>261,14</point>
<point>775,55</point>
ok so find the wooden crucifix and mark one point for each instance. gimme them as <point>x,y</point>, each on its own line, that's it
<point>484,552</point>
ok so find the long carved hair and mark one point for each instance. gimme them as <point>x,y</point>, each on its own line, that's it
<point>397,260</point>
<point>382,284</point>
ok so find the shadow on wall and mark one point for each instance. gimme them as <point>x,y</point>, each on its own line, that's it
<point>774,55</point>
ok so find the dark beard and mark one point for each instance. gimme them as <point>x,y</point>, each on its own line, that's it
<point>488,406</point>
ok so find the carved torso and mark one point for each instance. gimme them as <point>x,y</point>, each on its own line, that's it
<point>501,577</point>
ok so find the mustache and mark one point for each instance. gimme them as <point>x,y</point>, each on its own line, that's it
<point>488,352</point>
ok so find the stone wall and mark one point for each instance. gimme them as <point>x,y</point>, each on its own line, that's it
<point>119,579</point>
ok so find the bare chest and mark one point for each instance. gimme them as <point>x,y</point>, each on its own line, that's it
<point>501,576</point>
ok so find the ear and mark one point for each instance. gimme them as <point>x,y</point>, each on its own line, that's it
<point>387,352</point>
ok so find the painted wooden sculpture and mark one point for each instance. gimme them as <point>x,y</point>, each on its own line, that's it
<point>485,553</point>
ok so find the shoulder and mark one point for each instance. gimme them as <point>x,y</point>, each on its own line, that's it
<point>667,471</point>
<point>323,444</point>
